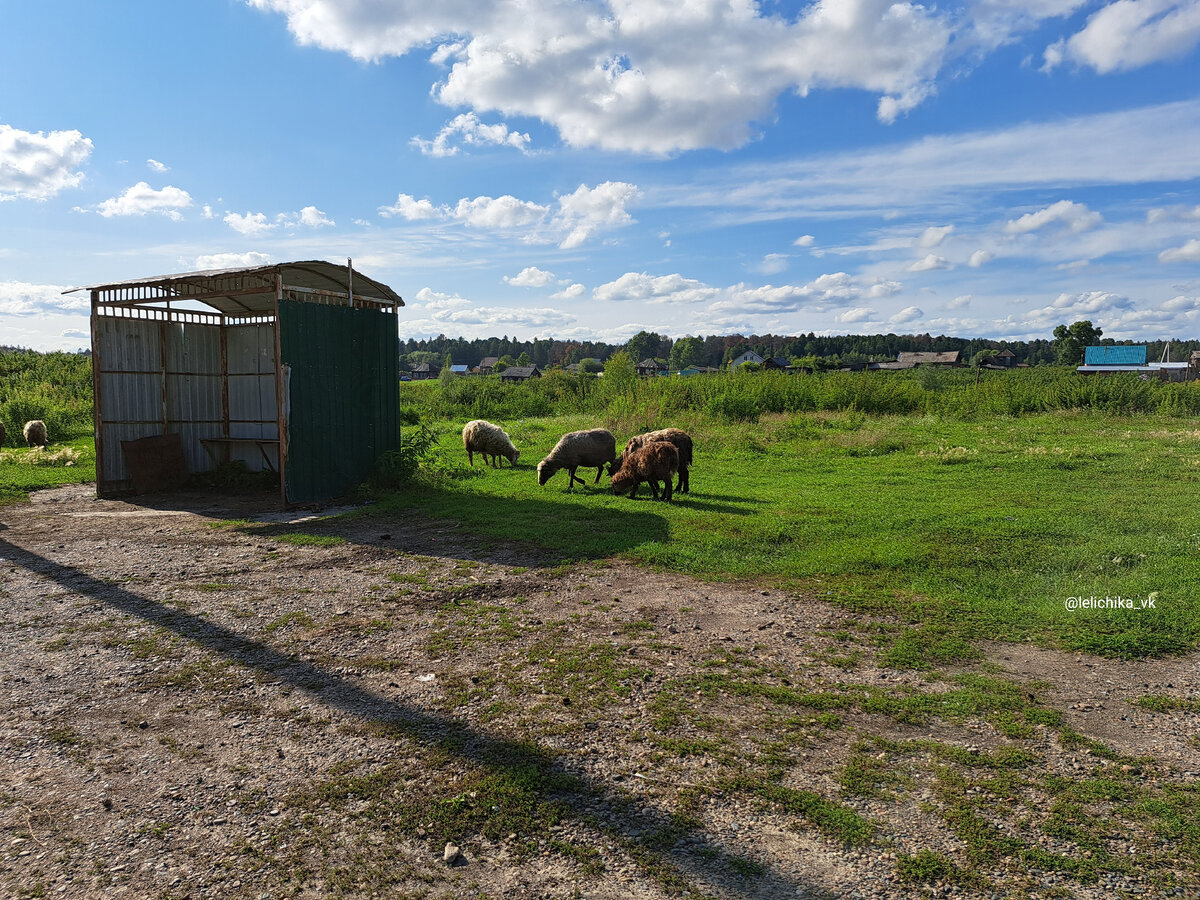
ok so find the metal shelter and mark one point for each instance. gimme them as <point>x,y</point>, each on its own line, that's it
<point>290,367</point>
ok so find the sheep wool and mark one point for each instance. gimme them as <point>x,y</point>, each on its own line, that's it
<point>596,447</point>
<point>656,461</point>
<point>34,433</point>
<point>683,443</point>
<point>488,440</point>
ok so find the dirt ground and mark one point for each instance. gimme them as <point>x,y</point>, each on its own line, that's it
<point>205,697</point>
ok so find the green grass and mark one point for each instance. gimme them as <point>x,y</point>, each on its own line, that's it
<point>23,470</point>
<point>955,529</point>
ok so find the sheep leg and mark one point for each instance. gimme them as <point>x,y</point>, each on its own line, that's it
<point>653,488</point>
<point>471,458</point>
<point>683,481</point>
<point>599,472</point>
<point>667,489</point>
<point>574,478</point>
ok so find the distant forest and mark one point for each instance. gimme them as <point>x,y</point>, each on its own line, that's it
<point>717,350</point>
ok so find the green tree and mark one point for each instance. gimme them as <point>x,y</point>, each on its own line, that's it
<point>447,374</point>
<point>687,351</point>
<point>644,345</point>
<point>620,372</point>
<point>524,359</point>
<point>1070,342</point>
<point>983,356</point>
<point>590,366</point>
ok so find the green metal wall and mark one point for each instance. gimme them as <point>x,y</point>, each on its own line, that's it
<point>344,396</point>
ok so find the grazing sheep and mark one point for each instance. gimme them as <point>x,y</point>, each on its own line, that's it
<point>682,441</point>
<point>579,448</point>
<point>656,461</point>
<point>35,433</point>
<point>487,440</point>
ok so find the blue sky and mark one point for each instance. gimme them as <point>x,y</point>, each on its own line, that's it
<point>590,168</point>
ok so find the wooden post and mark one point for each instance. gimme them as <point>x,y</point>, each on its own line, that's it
<point>97,396</point>
<point>280,422</point>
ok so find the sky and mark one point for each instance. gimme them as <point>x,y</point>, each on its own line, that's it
<point>587,169</point>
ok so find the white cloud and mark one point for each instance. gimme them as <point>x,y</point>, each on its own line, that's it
<point>530,276</point>
<point>231,260</point>
<point>407,207</point>
<point>805,240</point>
<point>979,258</point>
<point>588,210</point>
<point>907,315</point>
<point>36,166</point>
<point>772,264</point>
<point>650,76</point>
<point>1129,34</point>
<point>1189,252</point>
<point>431,299</point>
<point>928,263</point>
<point>645,288</point>
<point>962,301</point>
<point>19,298</point>
<point>1075,216</point>
<point>505,212</point>
<point>580,214</point>
<point>466,129</point>
<point>155,166</point>
<point>570,292</point>
<point>206,212</point>
<point>248,224</point>
<point>141,199</point>
<point>855,314</point>
<point>934,236</point>
<point>311,217</point>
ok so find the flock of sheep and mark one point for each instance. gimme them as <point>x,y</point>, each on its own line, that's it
<point>34,433</point>
<point>657,456</point>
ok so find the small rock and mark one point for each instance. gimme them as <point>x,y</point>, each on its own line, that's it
<point>451,855</point>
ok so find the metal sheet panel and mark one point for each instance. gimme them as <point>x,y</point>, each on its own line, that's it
<point>344,396</point>
<point>1114,356</point>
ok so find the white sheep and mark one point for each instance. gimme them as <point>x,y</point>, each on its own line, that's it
<point>682,441</point>
<point>596,447</point>
<point>35,433</point>
<point>488,440</point>
<point>653,462</point>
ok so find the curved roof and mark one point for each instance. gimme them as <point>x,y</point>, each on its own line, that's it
<point>248,289</point>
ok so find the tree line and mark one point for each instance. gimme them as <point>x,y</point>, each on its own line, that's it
<point>812,350</point>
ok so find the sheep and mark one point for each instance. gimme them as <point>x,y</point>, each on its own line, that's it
<point>656,461</point>
<point>579,448</point>
<point>487,440</point>
<point>682,441</point>
<point>35,433</point>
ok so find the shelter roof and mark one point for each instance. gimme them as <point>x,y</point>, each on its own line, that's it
<point>248,290</point>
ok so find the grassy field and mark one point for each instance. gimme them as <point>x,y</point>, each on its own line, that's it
<point>23,470</point>
<point>957,530</point>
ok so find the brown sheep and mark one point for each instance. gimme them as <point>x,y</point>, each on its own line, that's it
<point>683,443</point>
<point>656,461</point>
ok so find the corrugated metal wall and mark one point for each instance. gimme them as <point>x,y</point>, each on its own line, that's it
<point>344,396</point>
<point>157,377</point>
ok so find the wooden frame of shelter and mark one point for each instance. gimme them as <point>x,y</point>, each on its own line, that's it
<point>291,367</point>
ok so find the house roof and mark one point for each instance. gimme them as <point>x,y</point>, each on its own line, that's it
<point>651,363</point>
<point>1006,353</point>
<point>1109,355</point>
<point>520,372</point>
<point>489,362</point>
<point>945,357</point>
<point>248,290</point>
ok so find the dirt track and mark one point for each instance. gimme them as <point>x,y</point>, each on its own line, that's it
<point>198,708</point>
